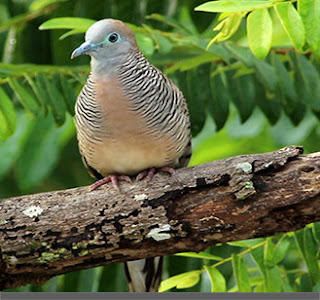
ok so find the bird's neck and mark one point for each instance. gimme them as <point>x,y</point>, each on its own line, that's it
<point>108,66</point>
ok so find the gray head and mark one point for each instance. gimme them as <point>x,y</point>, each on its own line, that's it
<point>107,39</point>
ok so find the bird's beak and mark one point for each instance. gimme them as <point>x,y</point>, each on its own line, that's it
<point>83,49</point>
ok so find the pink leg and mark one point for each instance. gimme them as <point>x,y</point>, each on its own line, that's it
<point>111,178</point>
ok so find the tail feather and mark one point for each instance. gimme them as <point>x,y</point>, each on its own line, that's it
<point>144,275</point>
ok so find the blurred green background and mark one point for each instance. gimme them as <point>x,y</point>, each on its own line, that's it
<point>236,108</point>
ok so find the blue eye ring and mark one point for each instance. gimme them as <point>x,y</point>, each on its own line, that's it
<point>113,37</point>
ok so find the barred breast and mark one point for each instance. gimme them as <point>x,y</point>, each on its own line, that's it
<point>132,120</point>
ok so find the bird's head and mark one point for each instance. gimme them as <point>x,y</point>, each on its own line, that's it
<point>107,39</point>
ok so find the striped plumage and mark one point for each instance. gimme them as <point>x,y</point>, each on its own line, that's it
<point>129,117</point>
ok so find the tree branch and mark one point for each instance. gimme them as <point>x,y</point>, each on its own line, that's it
<point>238,198</point>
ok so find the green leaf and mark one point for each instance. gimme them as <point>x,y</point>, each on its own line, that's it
<point>218,282</point>
<point>37,5</point>
<point>69,33</point>
<point>268,253</point>
<point>246,243</point>
<point>40,152</point>
<point>259,26</point>
<point>310,255</point>
<point>186,21</point>
<point>81,24</point>
<point>273,281</point>
<point>298,238</point>
<point>305,283</point>
<point>309,11</point>
<point>241,273</point>
<point>218,107</point>
<point>12,147</point>
<point>89,280</point>
<point>316,232</point>
<point>8,120</point>
<point>55,100</point>
<point>233,5</point>
<point>162,42</point>
<point>202,255</point>
<point>197,94</point>
<point>189,281</point>
<point>190,63</point>
<point>280,250</point>
<point>68,282</point>
<point>68,92</point>
<point>285,83</point>
<point>25,98</point>
<point>268,103</point>
<point>169,21</point>
<point>243,94</point>
<point>307,79</point>
<point>266,74</point>
<point>307,248</point>
<point>241,53</point>
<point>227,27</point>
<point>186,279</point>
<point>292,23</point>
<point>258,256</point>
<point>145,44</point>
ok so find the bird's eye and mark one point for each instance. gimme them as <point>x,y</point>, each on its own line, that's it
<point>113,37</point>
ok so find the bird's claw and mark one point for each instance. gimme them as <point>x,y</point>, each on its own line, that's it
<point>111,178</point>
<point>148,174</point>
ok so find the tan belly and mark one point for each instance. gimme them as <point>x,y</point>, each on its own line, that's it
<point>127,156</point>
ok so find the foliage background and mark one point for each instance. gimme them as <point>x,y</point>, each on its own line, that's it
<point>239,104</point>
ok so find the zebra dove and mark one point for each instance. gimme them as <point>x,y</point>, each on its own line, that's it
<point>131,119</point>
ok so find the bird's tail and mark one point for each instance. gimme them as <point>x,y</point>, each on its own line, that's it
<point>144,275</point>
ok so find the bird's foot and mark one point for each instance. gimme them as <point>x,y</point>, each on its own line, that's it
<point>148,174</point>
<point>111,178</point>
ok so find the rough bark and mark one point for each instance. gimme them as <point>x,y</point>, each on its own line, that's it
<point>238,198</point>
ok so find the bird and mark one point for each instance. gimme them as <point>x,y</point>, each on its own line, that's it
<point>131,121</point>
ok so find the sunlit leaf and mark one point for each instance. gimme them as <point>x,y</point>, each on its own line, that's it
<point>227,28</point>
<point>273,280</point>
<point>8,121</point>
<point>202,255</point>
<point>291,22</point>
<point>233,5</point>
<point>259,26</point>
<point>183,280</point>
<point>218,282</point>
<point>268,253</point>
<point>246,243</point>
<point>67,23</point>
<point>145,44</point>
<point>241,273</point>
<point>309,11</point>
<point>280,250</point>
